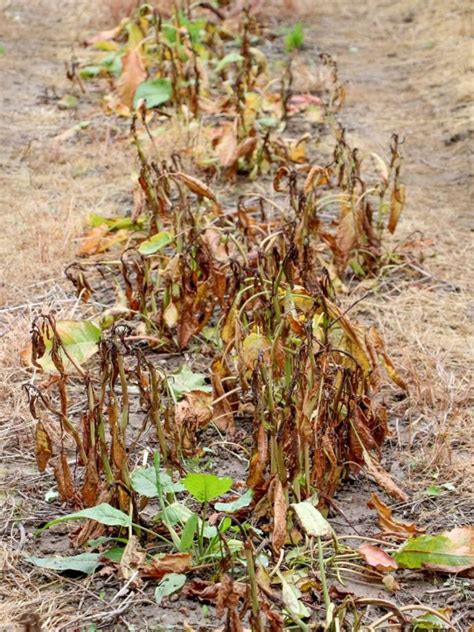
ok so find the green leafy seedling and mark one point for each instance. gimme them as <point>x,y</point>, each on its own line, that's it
<point>295,38</point>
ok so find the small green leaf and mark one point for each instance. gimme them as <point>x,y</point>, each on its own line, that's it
<point>89,71</point>
<point>83,563</point>
<point>433,490</point>
<point>295,38</point>
<point>113,223</point>
<point>114,554</point>
<point>103,513</point>
<point>189,531</point>
<point>312,521</point>
<point>185,381</point>
<point>155,243</point>
<point>154,92</point>
<point>68,102</point>
<point>206,487</point>
<point>230,58</point>
<point>428,621</point>
<point>170,584</point>
<point>235,505</point>
<point>144,482</point>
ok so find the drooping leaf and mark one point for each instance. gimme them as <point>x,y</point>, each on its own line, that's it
<point>185,381</point>
<point>80,339</point>
<point>206,487</point>
<point>236,505</point>
<point>312,521</point>
<point>155,243</point>
<point>154,92</point>
<point>132,558</point>
<point>144,482</point>
<point>187,536</point>
<point>132,75</point>
<point>253,346</point>
<point>103,513</point>
<point>170,584</point>
<point>83,563</point>
<point>291,598</point>
<point>280,510</point>
<point>43,446</point>
<point>450,552</point>
<point>230,58</point>
<point>374,556</point>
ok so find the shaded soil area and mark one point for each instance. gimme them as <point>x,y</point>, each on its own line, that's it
<point>408,70</point>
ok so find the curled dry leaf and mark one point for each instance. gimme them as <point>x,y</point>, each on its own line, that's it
<point>280,508</point>
<point>390,524</point>
<point>171,563</point>
<point>198,187</point>
<point>43,446</point>
<point>374,556</point>
<point>62,474</point>
<point>383,479</point>
<point>132,558</point>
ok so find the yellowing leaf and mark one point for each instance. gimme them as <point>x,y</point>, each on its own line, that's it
<point>254,345</point>
<point>449,552</point>
<point>79,338</point>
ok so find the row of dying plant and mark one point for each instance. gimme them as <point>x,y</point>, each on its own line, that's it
<point>255,281</point>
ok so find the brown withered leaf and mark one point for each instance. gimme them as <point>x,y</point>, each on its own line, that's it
<point>258,462</point>
<point>132,558</point>
<point>390,524</point>
<point>170,563</point>
<point>43,446</point>
<point>132,75</point>
<point>280,510</point>
<point>378,559</point>
<point>383,479</point>
<point>62,474</point>
<point>397,203</point>
<point>209,591</point>
<point>198,187</point>
<point>228,597</point>
<point>225,149</point>
<point>196,404</point>
<point>195,313</point>
<point>90,488</point>
<point>377,341</point>
<point>317,176</point>
<point>99,239</point>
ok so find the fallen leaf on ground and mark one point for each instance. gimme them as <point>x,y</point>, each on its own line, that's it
<point>388,523</point>
<point>449,552</point>
<point>374,556</point>
<point>171,563</point>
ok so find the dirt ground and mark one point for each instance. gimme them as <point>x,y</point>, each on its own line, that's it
<point>408,68</point>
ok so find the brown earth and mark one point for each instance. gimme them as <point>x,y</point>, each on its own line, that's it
<point>408,67</point>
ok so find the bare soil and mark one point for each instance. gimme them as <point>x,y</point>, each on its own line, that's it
<point>408,67</point>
